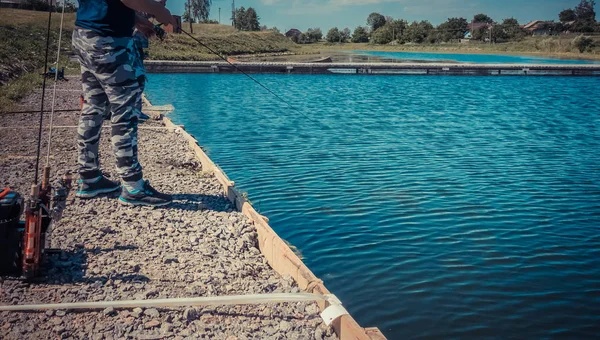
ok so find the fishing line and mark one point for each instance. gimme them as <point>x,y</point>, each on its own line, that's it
<point>253,79</point>
<point>55,83</point>
<point>33,111</point>
<point>39,143</point>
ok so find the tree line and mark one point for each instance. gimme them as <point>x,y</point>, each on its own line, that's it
<point>243,19</point>
<point>384,30</point>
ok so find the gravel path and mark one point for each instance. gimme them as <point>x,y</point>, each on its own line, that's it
<point>199,246</point>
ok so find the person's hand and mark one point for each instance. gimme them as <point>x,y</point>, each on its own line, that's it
<point>144,25</point>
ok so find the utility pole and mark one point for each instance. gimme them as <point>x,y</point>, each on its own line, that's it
<point>233,13</point>
<point>190,16</point>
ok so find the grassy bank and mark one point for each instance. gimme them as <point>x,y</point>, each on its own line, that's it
<point>222,38</point>
<point>560,47</point>
<point>23,41</point>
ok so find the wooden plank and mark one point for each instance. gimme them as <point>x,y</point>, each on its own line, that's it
<point>374,333</point>
<point>277,253</point>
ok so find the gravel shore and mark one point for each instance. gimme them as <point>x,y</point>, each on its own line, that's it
<point>199,246</point>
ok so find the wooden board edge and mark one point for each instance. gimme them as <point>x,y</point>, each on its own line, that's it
<point>278,254</point>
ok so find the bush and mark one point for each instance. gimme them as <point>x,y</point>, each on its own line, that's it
<point>334,35</point>
<point>360,35</point>
<point>382,36</point>
<point>583,44</point>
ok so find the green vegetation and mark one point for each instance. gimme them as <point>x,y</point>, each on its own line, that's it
<point>311,36</point>
<point>336,36</point>
<point>246,19</point>
<point>23,41</point>
<point>196,10</point>
<point>223,39</point>
<point>546,37</point>
<point>360,35</point>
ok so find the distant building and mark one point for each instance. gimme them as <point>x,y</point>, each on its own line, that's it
<point>293,33</point>
<point>539,27</point>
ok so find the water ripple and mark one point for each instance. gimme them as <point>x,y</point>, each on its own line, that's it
<point>434,207</point>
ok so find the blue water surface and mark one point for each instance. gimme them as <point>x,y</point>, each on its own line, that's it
<point>433,207</point>
<point>473,58</point>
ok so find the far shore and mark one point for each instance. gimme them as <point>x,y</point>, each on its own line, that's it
<point>495,49</point>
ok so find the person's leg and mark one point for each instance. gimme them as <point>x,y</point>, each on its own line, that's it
<point>94,107</point>
<point>95,104</point>
<point>123,84</point>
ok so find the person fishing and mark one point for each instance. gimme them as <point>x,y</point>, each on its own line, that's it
<point>113,78</point>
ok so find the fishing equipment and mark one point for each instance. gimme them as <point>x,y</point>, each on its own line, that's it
<point>57,74</point>
<point>160,32</point>
<point>23,242</point>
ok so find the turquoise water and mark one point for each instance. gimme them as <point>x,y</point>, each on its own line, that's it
<point>433,207</point>
<point>473,58</point>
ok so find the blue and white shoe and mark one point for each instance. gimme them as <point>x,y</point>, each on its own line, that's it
<point>143,117</point>
<point>147,196</point>
<point>101,185</point>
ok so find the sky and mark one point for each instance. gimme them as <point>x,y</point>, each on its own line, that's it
<point>302,14</point>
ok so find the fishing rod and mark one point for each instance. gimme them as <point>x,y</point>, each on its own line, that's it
<point>46,111</point>
<point>26,239</point>
<point>62,16</point>
<point>252,78</point>
<point>39,143</point>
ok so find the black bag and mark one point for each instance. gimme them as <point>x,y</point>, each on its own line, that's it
<point>11,208</point>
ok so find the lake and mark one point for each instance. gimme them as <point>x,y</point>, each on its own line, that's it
<point>433,207</point>
<point>469,58</point>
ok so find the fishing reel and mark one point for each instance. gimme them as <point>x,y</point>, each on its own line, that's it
<point>23,242</point>
<point>160,32</point>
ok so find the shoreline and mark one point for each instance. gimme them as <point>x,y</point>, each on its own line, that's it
<point>200,246</point>
<point>550,55</point>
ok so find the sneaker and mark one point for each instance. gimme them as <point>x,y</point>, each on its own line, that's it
<point>147,196</point>
<point>143,117</point>
<point>92,189</point>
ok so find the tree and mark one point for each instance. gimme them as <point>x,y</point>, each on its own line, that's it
<point>586,17</point>
<point>200,9</point>
<point>345,35</point>
<point>453,29</point>
<point>187,16</point>
<point>239,19</point>
<point>246,19</point>
<point>382,36</point>
<point>508,30</point>
<point>252,23</point>
<point>375,21</point>
<point>397,27</point>
<point>314,35</point>
<point>585,10</point>
<point>482,18</point>
<point>333,35</point>
<point>417,32</point>
<point>360,35</point>
<point>567,15</point>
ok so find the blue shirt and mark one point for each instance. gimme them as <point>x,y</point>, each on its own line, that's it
<point>109,18</point>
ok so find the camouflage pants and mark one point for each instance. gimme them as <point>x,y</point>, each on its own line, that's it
<point>113,80</point>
